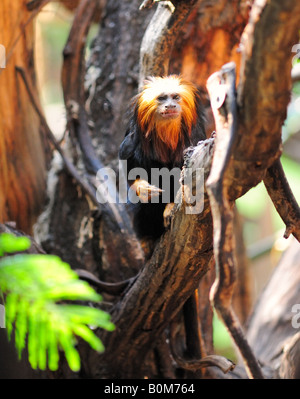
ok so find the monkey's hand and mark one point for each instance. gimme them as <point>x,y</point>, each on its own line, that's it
<point>145,191</point>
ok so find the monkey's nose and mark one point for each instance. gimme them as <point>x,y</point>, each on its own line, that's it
<point>170,106</point>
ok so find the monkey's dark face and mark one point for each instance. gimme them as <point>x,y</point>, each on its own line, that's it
<point>168,106</point>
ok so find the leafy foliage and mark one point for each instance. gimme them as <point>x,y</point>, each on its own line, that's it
<point>35,286</point>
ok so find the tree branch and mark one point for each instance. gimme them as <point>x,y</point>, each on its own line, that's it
<point>68,164</point>
<point>221,88</point>
<point>263,98</point>
<point>74,96</point>
<point>262,110</point>
<point>36,4</point>
<point>290,363</point>
<point>283,198</point>
<point>160,37</point>
<point>72,81</point>
<point>133,244</point>
<point>180,259</point>
<point>109,288</point>
<point>190,360</point>
<point>209,361</point>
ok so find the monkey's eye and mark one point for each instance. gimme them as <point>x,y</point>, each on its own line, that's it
<point>162,98</point>
<point>176,97</point>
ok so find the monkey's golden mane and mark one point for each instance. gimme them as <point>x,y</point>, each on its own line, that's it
<point>167,133</point>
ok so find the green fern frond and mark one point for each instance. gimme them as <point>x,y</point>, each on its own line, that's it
<point>11,244</point>
<point>35,286</point>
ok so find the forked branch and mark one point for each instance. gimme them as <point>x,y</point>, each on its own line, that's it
<point>221,88</point>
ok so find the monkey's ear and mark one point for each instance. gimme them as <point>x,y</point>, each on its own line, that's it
<point>149,80</point>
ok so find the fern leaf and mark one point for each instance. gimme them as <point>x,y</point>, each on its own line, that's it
<point>35,286</point>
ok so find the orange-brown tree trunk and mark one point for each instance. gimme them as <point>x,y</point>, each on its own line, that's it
<point>22,150</point>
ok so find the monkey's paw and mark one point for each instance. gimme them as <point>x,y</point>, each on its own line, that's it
<point>146,191</point>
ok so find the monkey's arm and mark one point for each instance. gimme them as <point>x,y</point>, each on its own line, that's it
<point>130,151</point>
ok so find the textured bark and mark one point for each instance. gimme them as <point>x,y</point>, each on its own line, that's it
<point>22,146</point>
<point>263,98</point>
<point>209,39</point>
<point>262,102</point>
<point>160,37</point>
<point>113,73</point>
<point>180,259</point>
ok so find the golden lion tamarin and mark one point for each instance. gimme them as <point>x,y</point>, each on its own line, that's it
<point>167,118</point>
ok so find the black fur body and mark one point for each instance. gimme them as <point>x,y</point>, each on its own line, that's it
<point>148,217</point>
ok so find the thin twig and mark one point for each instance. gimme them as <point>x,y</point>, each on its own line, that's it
<point>283,199</point>
<point>72,81</point>
<point>221,362</point>
<point>109,288</point>
<point>36,4</point>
